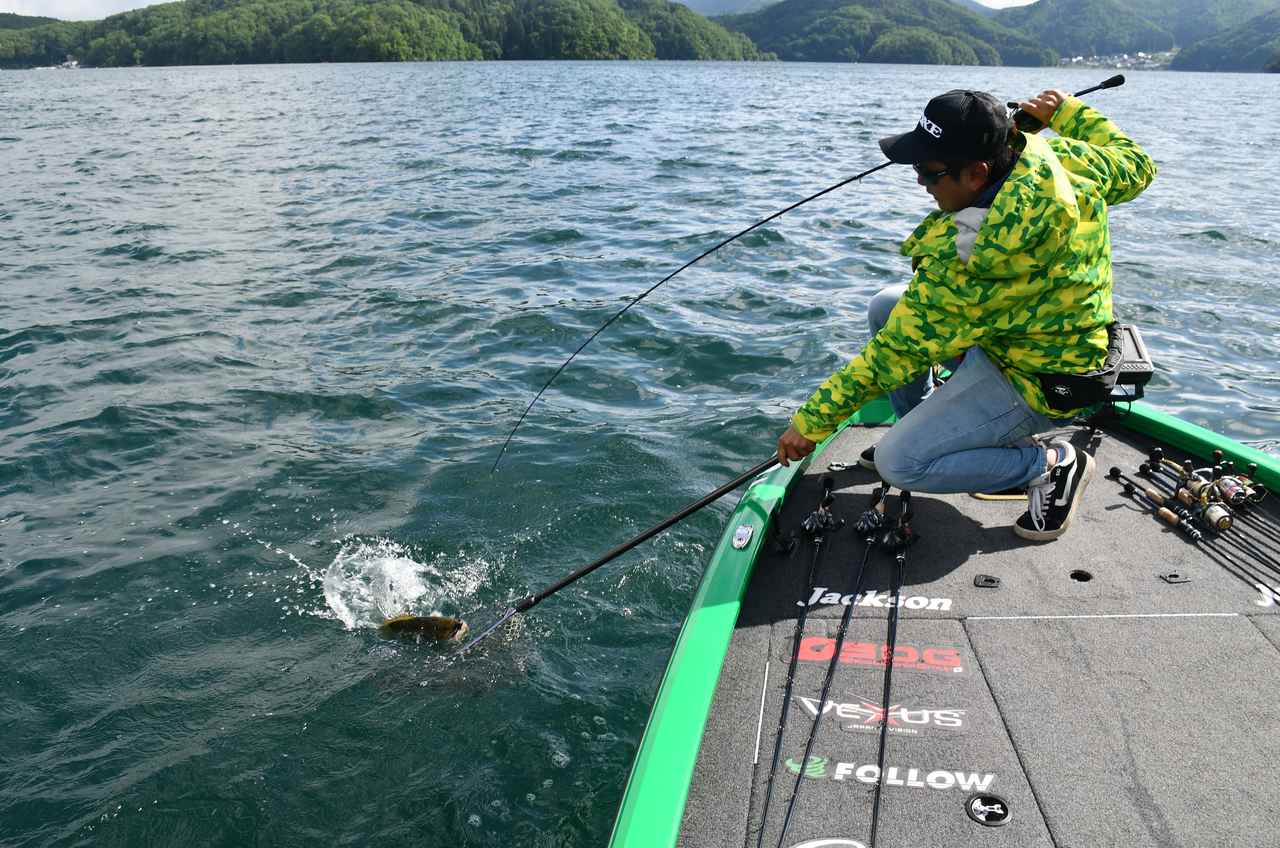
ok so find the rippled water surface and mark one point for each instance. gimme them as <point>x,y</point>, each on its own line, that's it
<point>264,329</point>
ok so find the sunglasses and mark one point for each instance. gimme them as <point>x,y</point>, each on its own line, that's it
<point>930,177</point>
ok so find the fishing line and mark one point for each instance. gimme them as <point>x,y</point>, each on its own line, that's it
<point>869,525</point>
<point>816,525</point>
<point>529,601</point>
<point>896,539</point>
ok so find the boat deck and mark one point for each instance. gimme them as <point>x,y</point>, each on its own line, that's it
<point>1117,710</point>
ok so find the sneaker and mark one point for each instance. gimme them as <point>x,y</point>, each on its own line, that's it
<point>867,459</point>
<point>1054,495</point>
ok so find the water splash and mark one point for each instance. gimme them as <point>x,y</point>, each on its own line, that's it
<point>370,581</point>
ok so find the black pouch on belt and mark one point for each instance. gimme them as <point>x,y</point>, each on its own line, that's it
<point>1073,391</point>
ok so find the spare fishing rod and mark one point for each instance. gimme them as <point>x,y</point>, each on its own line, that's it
<point>1162,506</point>
<point>1212,489</point>
<point>816,526</point>
<point>1157,502</point>
<point>1113,82</point>
<point>529,601</point>
<point>869,525</point>
<point>1212,515</point>
<point>897,539</point>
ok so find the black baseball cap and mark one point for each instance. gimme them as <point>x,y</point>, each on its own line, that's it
<point>956,126</point>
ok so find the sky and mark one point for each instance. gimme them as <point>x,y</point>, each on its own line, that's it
<point>92,10</point>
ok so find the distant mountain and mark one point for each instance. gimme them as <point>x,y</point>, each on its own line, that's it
<point>1274,67</point>
<point>1093,27</point>
<point>8,20</point>
<point>1252,46</point>
<point>937,32</point>
<point>223,32</point>
<point>1088,27</point>
<point>1193,20</point>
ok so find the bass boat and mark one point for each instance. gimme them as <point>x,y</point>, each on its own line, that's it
<point>950,685</point>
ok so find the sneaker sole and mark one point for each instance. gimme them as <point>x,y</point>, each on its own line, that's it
<point>1050,535</point>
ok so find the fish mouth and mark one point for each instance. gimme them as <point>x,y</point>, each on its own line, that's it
<point>460,632</point>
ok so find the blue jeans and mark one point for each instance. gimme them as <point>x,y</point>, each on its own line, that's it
<point>971,434</point>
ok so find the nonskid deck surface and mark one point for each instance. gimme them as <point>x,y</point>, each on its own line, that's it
<point>1118,710</point>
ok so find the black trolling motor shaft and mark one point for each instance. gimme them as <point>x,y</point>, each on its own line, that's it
<point>816,526</point>
<point>897,539</point>
<point>869,526</point>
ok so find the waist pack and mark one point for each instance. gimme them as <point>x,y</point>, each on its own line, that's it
<point>1073,391</point>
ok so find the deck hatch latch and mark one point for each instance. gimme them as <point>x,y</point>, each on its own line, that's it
<point>986,581</point>
<point>1175,577</point>
<point>988,810</point>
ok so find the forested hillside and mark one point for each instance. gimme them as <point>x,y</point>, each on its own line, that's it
<point>201,32</point>
<point>1252,46</point>
<point>1193,20</point>
<point>8,20</point>
<point>916,31</point>
<point>1088,27</point>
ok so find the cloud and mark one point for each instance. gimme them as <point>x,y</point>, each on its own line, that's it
<point>73,10</point>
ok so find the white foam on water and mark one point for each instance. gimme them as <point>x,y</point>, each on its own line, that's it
<point>370,581</point>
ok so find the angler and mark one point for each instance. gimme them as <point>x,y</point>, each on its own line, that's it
<point>1011,290</point>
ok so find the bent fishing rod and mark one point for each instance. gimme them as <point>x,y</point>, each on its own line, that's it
<point>1020,118</point>
<point>529,601</point>
<point>869,526</point>
<point>816,525</point>
<point>654,287</point>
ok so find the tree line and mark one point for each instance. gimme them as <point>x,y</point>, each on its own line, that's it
<point>202,32</point>
<point>909,31</point>
<point>934,32</point>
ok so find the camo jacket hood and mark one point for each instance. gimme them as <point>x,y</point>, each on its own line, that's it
<point>1032,286</point>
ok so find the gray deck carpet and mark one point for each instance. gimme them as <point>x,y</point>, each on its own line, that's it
<point>1105,705</point>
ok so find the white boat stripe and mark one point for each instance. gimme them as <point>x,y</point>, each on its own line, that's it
<point>1114,615</point>
<point>760,720</point>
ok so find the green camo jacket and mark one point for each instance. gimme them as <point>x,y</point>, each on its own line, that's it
<point>1035,291</point>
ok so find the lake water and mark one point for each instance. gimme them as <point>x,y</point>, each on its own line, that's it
<point>265,328</point>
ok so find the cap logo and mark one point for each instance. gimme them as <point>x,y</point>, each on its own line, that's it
<point>930,127</point>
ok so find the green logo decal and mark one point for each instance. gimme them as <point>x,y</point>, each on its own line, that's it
<point>816,767</point>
